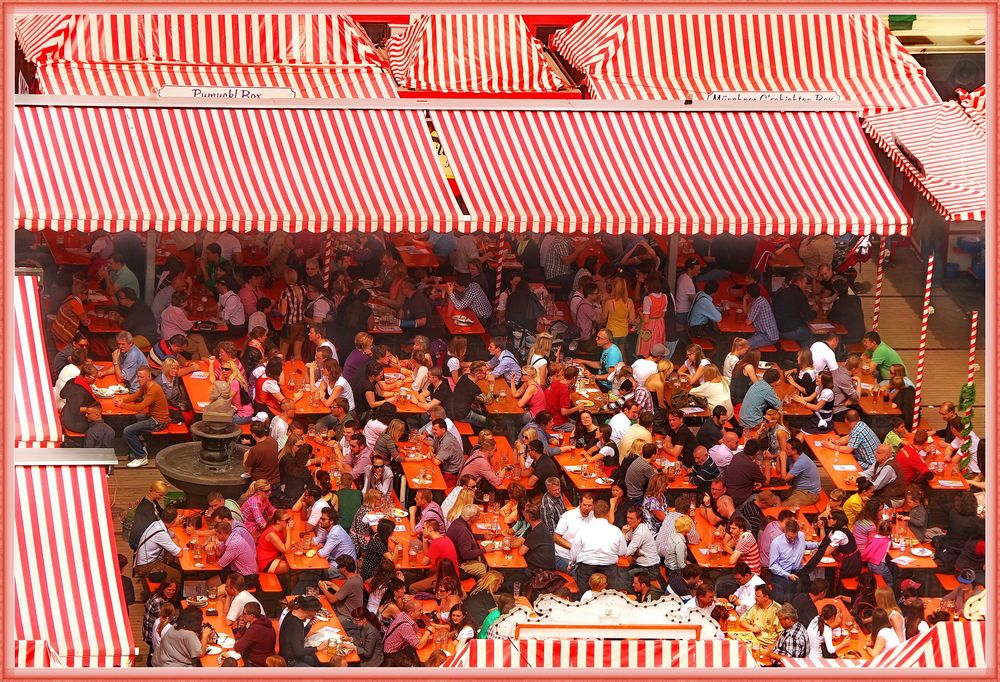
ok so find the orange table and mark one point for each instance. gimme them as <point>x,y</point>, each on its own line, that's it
<point>842,467</point>
<point>108,404</point>
<point>574,459</point>
<point>504,456</point>
<point>700,551</point>
<point>500,405</point>
<point>198,388</point>
<point>735,322</point>
<point>407,404</point>
<point>785,257</point>
<point>870,404</point>
<point>418,255</point>
<point>498,560</point>
<point>183,538</point>
<point>412,467</point>
<point>61,243</point>
<point>949,478</point>
<point>448,314</point>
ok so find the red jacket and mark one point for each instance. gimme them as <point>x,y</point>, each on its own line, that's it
<point>911,462</point>
<point>257,642</point>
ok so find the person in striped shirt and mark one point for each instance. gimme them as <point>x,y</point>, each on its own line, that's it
<point>741,544</point>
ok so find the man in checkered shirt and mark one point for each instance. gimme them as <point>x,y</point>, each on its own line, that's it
<point>861,441</point>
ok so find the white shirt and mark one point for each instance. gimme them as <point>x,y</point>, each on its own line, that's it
<point>642,546</point>
<point>229,244</point>
<point>373,429</point>
<point>642,369</point>
<point>816,639</point>
<point>279,431</point>
<point>721,455</point>
<point>597,543</point>
<point>239,601</point>
<point>449,502</point>
<point>465,250</point>
<point>333,349</point>
<point>729,365</point>
<point>316,510</point>
<point>154,544</point>
<point>691,605</point>
<point>890,637</point>
<point>569,525</point>
<point>347,393</point>
<point>231,309</point>
<point>619,425</point>
<point>685,293</point>
<point>452,429</point>
<point>66,375</point>
<point>745,594</point>
<point>823,357</point>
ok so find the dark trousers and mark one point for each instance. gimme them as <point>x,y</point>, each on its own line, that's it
<point>584,571</point>
<point>783,589</point>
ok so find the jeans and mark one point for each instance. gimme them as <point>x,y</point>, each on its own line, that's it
<point>562,564</point>
<point>802,335</point>
<point>759,341</point>
<point>883,569</point>
<point>783,589</point>
<point>475,419</point>
<point>133,435</point>
<point>242,420</point>
<point>584,571</point>
<point>712,275</point>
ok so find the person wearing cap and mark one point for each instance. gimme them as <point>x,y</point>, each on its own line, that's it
<point>967,586</point>
<point>685,290</point>
<point>292,634</point>
<point>646,366</point>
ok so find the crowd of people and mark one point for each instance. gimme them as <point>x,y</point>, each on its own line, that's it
<point>638,336</point>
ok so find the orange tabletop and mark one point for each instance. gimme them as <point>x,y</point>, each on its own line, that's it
<point>859,640</point>
<point>418,255</point>
<point>842,468</point>
<point>822,326</point>
<point>504,456</point>
<point>408,402</point>
<point>108,404</point>
<point>198,384</point>
<point>295,370</point>
<point>412,468</point>
<point>785,257</point>
<point>735,322</point>
<point>61,245</point>
<point>184,540</point>
<point>448,314</point>
<point>870,404</point>
<point>497,559</point>
<point>700,551</point>
<point>948,478</point>
<point>598,400</point>
<point>503,401</point>
<point>581,483</point>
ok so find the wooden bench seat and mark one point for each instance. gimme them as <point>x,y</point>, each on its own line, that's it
<point>948,581</point>
<point>788,346</point>
<point>464,429</point>
<point>705,343</point>
<point>269,583</point>
<point>173,430</point>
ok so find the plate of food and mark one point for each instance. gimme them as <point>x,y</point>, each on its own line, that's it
<point>922,551</point>
<point>310,553</point>
<point>233,655</point>
<point>604,480</point>
<point>463,321</point>
<point>104,392</point>
<point>199,375</point>
<point>399,513</point>
<point>585,403</point>
<point>214,650</point>
<point>196,600</point>
<point>828,560</point>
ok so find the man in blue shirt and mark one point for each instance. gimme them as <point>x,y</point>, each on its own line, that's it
<point>333,540</point>
<point>704,318</point>
<point>785,561</point>
<point>611,357</point>
<point>127,360</point>
<point>861,441</point>
<point>503,363</point>
<point>760,396</point>
<point>802,475</point>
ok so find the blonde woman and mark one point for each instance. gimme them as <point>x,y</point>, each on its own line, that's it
<point>714,389</point>
<point>465,497</point>
<point>739,349</point>
<point>619,313</point>
<point>361,528</point>
<point>242,410</point>
<point>521,447</point>
<point>538,357</point>
<point>657,382</point>
<point>694,366</point>
<point>530,396</point>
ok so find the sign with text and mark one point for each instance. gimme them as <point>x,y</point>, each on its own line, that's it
<point>774,96</point>
<point>225,92</point>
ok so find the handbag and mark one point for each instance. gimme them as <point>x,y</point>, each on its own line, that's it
<point>543,582</point>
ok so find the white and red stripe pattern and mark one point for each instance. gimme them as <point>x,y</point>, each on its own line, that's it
<point>822,663</point>
<point>234,169</point>
<point>925,316</point>
<point>144,79</point>
<point>663,172</point>
<point>942,151</point>
<point>690,56</point>
<point>36,419</point>
<point>34,654</point>
<point>470,53</point>
<point>558,653</point>
<point>234,39</point>
<point>67,588</point>
<point>955,644</point>
<point>974,103</point>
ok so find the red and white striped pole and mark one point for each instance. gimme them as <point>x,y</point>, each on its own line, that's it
<point>879,274</point>
<point>329,261</point>
<point>923,341</point>
<point>972,346</point>
<point>501,254</point>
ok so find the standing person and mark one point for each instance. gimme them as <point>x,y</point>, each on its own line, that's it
<point>760,396</point>
<point>785,560</point>
<point>641,546</point>
<point>569,526</point>
<point>261,460</point>
<point>686,290</point>
<point>291,308</point>
<point>152,414</point>
<point>652,331</point>
<point>619,313</point>
<point>597,547</point>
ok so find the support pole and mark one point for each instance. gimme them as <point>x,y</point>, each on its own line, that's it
<point>879,274</point>
<point>501,254</point>
<point>923,342</point>
<point>329,261</point>
<point>972,347</point>
<point>672,262</point>
<point>152,238</point>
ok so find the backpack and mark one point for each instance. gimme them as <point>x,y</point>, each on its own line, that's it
<point>618,475</point>
<point>681,399</point>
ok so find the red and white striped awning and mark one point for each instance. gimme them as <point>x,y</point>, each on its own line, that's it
<point>144,79</point>
<point>691,56</point>
<point>662,172</point>
<point>36,419</point>
<point>67,587</point>
<point>34,654</point>
<point>90,168</point>
<point>611,654</point>
<point>974,103</point>
<point>957,645</point>
<point>470,53</point>
<point>942,151</point>
<point>234,39</point>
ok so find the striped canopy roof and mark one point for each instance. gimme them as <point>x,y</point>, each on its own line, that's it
<point>691,56</point>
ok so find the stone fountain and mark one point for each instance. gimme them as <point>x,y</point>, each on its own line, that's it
<point>212,462</point>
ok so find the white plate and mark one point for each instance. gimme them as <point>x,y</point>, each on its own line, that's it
<point>922,551</point>
<point>199,375</point>
<point>603,480</point>
<point>200,565</point>
<point>574,468</point>
<point>233,655</point>
<point>214,650</point>
<point>225,641</point>
<point>828,560</point>
<point>399,513</point>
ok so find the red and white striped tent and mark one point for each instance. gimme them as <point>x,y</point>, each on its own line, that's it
<point>942,151</point>
<point>36,419</point>
<point>955,645</point>
<point>974,103</point>
<point>311,55</point>
<point>69,606</point>
<point>83,168</point>
<point>691,56</point>
<point>470,53</point>
<point>663,172</point>
<point>580,653</point>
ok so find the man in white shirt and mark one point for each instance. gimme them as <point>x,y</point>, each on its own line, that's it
<point>237,597</point>
<point>722,454</point>
<point>313,497</point>
<point>622,421</point>
<point>703,602</point>
<point>824,353</point>
<point>437,412</point>
<point>568,528</point>
<point>643,368</point>
<point>232,249</point>
<point>742,598</point>
<point>685,291</point>
<point>279,424</point>
<point>156,549</point>
<point>596,548</point>
<point>641,546</point>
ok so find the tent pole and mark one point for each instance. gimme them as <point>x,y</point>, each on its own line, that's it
<point>672,261</point>
<point>927,310</point>
<point>152,237</point>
